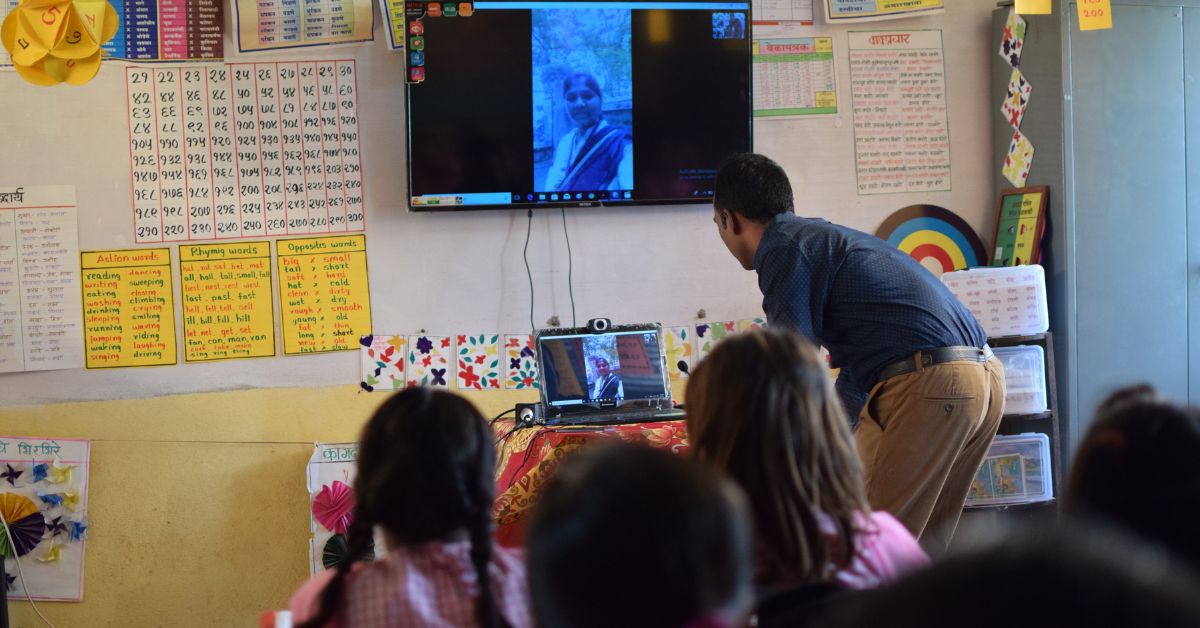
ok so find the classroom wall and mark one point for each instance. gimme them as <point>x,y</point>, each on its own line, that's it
<point>197,499</point>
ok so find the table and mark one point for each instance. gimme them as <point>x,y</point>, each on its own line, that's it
<point>528,457</point>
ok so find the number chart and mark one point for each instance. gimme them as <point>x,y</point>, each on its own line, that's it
<point>244,150</point>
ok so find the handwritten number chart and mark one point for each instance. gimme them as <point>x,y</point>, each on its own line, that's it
<point>244,150</point>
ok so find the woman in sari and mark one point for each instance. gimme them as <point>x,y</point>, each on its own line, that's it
<point>595,155</point>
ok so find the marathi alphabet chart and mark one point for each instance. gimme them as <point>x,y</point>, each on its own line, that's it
<point>244,150</point>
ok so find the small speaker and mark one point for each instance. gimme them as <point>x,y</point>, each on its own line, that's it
<point>599,325</point>
<point>528,414</point>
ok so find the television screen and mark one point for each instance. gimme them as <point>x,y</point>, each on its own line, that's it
<point>530,103</point>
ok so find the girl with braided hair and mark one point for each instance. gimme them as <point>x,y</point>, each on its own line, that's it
<point>425,465</point>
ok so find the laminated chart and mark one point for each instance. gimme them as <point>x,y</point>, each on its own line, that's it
<point>901,121</point>
<point>228,305</point>
<point>244,150</point>
<point>794,77</point>
<point>5,7</point>
<point>128,308</point>
<point>869,10</point>
<point>168,30</point>
<point>324,302</point>
<point>272,24</point>
<point>40,325</point>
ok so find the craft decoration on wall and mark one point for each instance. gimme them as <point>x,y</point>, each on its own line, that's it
<point>429,361</point>
<point>709,334</point>
<point>55,42</point>
<point>382,358</point>
<point>44,503</point>
<point>337,551</point>
<point>747,324</point>
<point>478,362</point>
<point>521,362</point>
<point>1017,99</point>
<point>333,507</point>
<point>935,237</point>
<point>1012,42</point>
<point>1020,224</point>
<point>678,341</point>
<point>1019,160</point>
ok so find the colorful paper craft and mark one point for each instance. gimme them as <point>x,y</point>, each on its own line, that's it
<point>478,362</point>
<point>747,324</point>
<point>337,551</point>
<point>1017,99</point>
<point>52,42</point>
<point>428,361</point>
<point>709,334</point>
<point>12,474</point>
<point>521,370</point>
<point>1013,39</point>
<point>1019,160</point>
<point>382,358</point>
<point>333,507</point>
<point>678,341</point>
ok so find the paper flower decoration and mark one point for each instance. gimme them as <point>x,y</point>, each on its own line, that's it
<point>59,473</point>
<point>25,522</point>
<point>39,471</point>
<point>55,41</point>
<point>337,551</point>
<point>70,500</point>
<point>55,527</point>
<point>334,507</point>
<point>11,474</point>
<point>77,530</point>
<point>52,555</point>
<point>50,499</point>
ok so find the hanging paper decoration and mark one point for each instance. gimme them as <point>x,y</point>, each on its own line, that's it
<point>56,41</point>
<point>25,522</point>
<point>334,507</point>
<point>337,551</point>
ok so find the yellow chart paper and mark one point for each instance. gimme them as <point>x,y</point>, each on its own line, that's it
<point>228,306</point>
<point>324,301</point>
<point>1034,7</point>
<point>1095,15</point>
<point>128,308</point>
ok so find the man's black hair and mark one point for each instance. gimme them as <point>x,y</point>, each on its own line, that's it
<point>753,186</point>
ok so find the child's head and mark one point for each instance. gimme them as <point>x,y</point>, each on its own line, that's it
<point>1137,467</point>
<point>425,473</point>
<point>761,407</point>
<point>625,535</point>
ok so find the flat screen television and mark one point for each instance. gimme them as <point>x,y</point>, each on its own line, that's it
<point>530,103</point>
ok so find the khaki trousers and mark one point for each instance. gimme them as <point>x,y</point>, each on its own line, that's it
<point>922,437</point>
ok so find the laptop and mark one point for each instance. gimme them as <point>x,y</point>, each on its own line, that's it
<point>614,375</point>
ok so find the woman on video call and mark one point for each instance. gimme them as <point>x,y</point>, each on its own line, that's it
<point>595,155</point>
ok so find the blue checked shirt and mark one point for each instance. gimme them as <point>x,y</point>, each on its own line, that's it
<point>865,301</point>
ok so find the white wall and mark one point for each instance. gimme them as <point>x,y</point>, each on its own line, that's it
<point>451,273</point>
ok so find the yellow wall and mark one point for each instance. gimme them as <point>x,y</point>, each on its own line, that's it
<point>197,503</point>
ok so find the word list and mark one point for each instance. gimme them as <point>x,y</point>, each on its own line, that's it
<point>40,326</point>
<point>168,30</point>
<point>324,301</point>
<point>901,129</point>
<point>228,305</point>
<point>128,308</point>
<point>244,150</point>
<point>794,77</point>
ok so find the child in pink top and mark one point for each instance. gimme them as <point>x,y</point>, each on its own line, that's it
<point>762,408</point>
<point>425,463</point>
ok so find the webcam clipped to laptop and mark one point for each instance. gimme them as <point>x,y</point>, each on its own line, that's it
<point>604,373</point>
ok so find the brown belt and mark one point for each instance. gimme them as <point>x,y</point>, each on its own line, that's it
<point>936,356</point>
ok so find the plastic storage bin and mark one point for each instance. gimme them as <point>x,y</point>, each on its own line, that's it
<point>1007,301</point>
<point>1015,471</point>
<point>1025,374</point>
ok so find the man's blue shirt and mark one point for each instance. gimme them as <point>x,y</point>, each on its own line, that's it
<point>864,300</point>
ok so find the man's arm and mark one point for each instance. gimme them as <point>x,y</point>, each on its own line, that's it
<point>792,298</point>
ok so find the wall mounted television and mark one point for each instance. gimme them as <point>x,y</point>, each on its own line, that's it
<point>534,103</point>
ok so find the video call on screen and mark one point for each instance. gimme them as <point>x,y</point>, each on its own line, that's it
<point>589,369</point>
<point>507,89</point>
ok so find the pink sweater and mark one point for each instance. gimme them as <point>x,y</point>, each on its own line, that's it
<point>886,550</point>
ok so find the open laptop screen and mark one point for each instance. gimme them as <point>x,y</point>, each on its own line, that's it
<point>604,369</point>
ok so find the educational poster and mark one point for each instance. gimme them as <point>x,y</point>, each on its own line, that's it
<point>767,12</point>
<point>44,501</point>
<point>870,10</point>
<point>244,150</point>
<point>1018,228</point>
<point>393,22</point>
<point>324,300</point>
<point>1016,100</point>
<point>168,30</point>
<point>1013,40</point>
<point>901,122</point>
<point>794,77</point>
<point>40,324</point>
<point>709,334</point>
<point>128,308</point>
<point>274,24</point>
<point>678,341</point>
<point>382,359</point>
<point>228,305</point>
<point>1019,159</point>
<point>330,479</point>
<point>521,361</point>
<point>5,7</point>
<point>429,361</point>
<point>478,362</point>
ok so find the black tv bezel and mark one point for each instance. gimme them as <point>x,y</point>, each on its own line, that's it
<point>705,201</point>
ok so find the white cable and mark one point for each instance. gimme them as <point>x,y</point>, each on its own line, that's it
<point>24,583</point>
